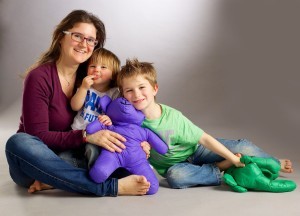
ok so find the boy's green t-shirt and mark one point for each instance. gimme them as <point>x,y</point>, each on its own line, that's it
<point>178,132</point>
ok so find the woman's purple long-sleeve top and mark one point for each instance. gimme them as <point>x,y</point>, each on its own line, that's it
<point>46,111</point>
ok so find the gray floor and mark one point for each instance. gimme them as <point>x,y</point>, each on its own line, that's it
<point>15,201</point>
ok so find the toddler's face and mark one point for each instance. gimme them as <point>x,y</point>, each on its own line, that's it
<point>101,72</point>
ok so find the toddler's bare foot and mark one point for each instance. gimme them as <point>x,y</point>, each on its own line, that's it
<point>38,186</point>
<point>286,166</point>
<point>133,185</point>
<point>225,164</point>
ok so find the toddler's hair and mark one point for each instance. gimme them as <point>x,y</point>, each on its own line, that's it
<point>109,59</point>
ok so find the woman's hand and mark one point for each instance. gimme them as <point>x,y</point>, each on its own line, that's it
<point>146,148</point>
<point>107,139</point>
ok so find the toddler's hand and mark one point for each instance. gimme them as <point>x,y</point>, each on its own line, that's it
<point>104,119</point>
<point>88,81</point>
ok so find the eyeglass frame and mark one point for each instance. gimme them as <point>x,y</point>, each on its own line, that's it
<point>82,37</point>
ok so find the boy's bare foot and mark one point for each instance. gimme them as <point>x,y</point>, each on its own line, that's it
<point>133,185</point>
<point>225,164</point>
<point>38,186</point>
<point>286,166</point>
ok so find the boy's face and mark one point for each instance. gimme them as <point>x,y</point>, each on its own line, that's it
<point>102,74</point>
<point>139,92</point>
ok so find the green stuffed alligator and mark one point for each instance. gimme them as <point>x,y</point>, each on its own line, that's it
<point>259,174</point>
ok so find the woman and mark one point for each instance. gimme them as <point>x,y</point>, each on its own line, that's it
<point>47,116</point>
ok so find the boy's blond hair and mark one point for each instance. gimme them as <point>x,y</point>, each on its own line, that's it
<point>134,68</point>
<point>109,59</point>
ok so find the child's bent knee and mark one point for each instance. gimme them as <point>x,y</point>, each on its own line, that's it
<point>175,178</point>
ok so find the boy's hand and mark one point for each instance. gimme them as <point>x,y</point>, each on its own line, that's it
<point>104,119</point>
<point>88,81</point>
<point>146,148</point>
<point>237,162</point>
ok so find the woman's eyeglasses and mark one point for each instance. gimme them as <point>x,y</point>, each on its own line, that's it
<point>78,37</point>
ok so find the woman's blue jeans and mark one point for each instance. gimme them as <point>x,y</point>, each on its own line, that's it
<point>30,159</point>
<point>200,168</point>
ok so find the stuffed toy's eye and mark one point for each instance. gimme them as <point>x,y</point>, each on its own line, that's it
<point>125,101</point>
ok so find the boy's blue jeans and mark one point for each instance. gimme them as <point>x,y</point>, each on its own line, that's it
<point>200,168</point>
<point>30,159</point>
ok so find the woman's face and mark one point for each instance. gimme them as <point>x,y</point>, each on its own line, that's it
<point>74,52</point>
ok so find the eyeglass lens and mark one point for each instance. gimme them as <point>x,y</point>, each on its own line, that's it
<point>80,38</point>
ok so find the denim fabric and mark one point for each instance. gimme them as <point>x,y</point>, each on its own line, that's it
<point>75,157</point>
<point>83,157</point>
<point>91,153</point>
<point>30,159</point>
<point>184,175</point>
<point>200,168</point>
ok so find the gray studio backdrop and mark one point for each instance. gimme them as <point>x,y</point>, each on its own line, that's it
<point>230,66</point>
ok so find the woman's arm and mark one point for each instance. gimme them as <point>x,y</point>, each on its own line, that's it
<point>46,111</point>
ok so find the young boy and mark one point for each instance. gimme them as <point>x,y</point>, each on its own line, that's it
<point>194,157</point>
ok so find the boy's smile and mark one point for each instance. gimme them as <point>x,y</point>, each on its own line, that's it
<point>138,101</point>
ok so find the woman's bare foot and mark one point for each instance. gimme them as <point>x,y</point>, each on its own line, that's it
<point>133,185</point>
<point>225,164</point>
<point>38,186</point>
<point>286,166</point>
